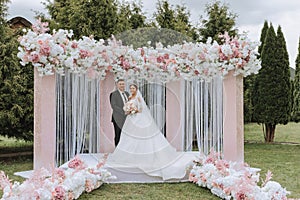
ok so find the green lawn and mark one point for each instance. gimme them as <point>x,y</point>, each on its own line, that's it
<point>282,159</point>
<point>289,133</point>
<point>11,145</point>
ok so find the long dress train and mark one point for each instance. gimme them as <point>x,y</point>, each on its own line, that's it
<point>143,146</point>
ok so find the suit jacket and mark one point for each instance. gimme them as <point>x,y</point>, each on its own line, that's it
<point>117,105</point>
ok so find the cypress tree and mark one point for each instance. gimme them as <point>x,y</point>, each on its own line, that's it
<point>272,98</point>
<point>263,37</point>
<point>249,82</point>
<point>296,91</point>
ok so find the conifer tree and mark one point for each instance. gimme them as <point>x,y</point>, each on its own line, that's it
<point>272,98</point>
<point>220,19</point>
<point>249,82</point>
<point>296,90</point>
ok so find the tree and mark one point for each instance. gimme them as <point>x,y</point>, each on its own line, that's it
<point>263,37</point>
<point>94,17</point>
<point>182,22</point>
<point>100,18</point>
<point>177,19</point>
<point>220,19</point>
<point>272,95</point>
<point>249,81</point>
<point>296,91</point>
<point>130,16</point>
<point>165,15</point>
<point>16,86</point>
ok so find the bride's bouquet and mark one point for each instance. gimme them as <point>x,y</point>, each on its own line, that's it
<point>130,108</point>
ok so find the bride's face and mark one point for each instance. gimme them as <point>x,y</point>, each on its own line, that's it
<point>132,90</point>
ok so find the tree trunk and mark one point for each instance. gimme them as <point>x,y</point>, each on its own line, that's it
<point>269,133</point>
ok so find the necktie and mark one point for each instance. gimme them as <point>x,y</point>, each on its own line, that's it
<point>125,98</point>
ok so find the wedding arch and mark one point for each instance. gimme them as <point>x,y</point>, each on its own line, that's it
<point>207,72</point>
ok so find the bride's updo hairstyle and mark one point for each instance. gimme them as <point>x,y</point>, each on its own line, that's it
<point>134,85</point>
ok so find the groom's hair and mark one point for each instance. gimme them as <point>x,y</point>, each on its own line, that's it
<point>120,80</point>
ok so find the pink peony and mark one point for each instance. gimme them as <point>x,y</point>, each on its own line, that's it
<point>193,178</point>
<point>84,53</point>
<point>59,193</point>
<point>74,45</point>
<point>34,57</point>
<point>76,163</point>
<point>60,173</point>
<point>45,50</point>
<point>89,185</point>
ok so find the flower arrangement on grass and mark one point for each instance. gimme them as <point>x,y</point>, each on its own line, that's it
<point>234,180</point>
<point>62,183</point>
<point>59,52</point>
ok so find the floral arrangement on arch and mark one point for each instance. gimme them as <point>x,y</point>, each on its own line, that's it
<point>233,180</point>
<point>62,183</point>
<point>57,52</point>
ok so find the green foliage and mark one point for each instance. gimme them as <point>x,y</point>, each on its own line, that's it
<point>296,90</point>
<point>248,105</point>
<point>249,81</point>
<point>16,88</point>
<point>263,37</point>
<point>271,94</point>
<point>176,19</point>
<point>100,18</point>
<point>220,19</point>
<point>94,17</point>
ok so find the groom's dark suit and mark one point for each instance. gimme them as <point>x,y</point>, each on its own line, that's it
<point>118,115</point>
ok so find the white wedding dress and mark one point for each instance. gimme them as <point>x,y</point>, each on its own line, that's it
<point>143,146</point>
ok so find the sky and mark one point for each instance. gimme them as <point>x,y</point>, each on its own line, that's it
<point>251,15</point>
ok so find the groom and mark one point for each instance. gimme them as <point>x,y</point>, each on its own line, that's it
<point>117,100</point>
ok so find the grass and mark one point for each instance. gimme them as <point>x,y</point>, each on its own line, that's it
<point>282,159</point>
<point>11,145</point>
<point>289,133</point>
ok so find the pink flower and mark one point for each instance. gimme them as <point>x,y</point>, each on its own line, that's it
<point>60,173</point>
<point>89,185</point>
<point>45,50</point>
<point>40,27</point>
<point>74,45</point>
<point>193,178</point>
<point>160,59</point>
<point>4,181</point>
<point>201,56</point>
<point>34,57</point>
<point>166,56</point>
<point>125,65</point>
<point>240,196</point>
<point>59,193</point>
<point>76,163</point>
<point>84,53</point>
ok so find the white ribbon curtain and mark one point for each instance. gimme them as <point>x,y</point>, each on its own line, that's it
<point>155,97</point>
<point>203,115</point>
<point>77,116</point>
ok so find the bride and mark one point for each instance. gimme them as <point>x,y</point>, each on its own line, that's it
<point>143,146</point>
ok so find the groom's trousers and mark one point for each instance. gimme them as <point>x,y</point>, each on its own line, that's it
<point>118,131</point>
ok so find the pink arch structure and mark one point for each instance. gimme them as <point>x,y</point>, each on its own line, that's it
<point>45,118</point>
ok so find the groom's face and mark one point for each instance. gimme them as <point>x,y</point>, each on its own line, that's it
<point>121,85</point>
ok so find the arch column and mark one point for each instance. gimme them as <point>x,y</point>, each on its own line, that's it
<point>233,120</point>
<point>107,144</point>
<point>44,121</point>
<point>174,112</point>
